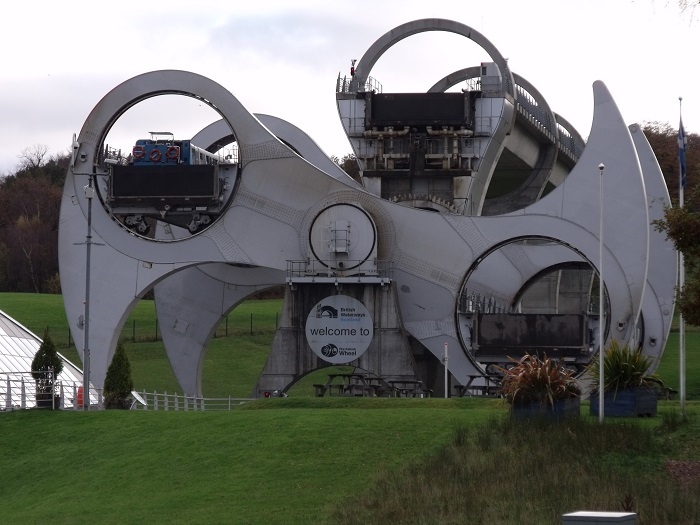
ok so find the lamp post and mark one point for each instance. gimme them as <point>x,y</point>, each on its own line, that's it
<point>601,311</point>
<point>444,360</point>
<point>682,145</point>
<point>89,194</point>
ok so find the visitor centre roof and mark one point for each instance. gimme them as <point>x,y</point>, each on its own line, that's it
<point>17,349</point>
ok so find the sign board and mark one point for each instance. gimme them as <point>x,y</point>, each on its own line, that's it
<point>339,329</point>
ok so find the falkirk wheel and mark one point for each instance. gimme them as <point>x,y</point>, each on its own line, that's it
<point>374,257</point>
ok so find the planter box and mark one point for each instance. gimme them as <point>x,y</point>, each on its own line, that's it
<point>561,409</point>
<point>640,401</point>
<point>48,401</point>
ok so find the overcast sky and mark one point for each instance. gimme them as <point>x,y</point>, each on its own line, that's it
<point>282,58</point>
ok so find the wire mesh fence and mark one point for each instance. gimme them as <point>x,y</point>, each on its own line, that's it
<point>148,330</point>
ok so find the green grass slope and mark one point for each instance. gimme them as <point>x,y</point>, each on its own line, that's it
<point>313,460</point>
<point>274,466</point>
<point>236,356</point>
<point>350,461</point>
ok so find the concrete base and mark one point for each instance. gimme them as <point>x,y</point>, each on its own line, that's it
<point>389,354</point>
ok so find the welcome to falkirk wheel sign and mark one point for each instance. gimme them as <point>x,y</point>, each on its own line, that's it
<point>339,329</point>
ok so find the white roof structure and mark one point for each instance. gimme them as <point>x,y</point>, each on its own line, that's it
<point>17,349</point>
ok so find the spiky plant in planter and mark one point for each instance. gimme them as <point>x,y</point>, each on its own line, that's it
<point>623,368</point>
<point>629,388</point>
<point>538,385</point>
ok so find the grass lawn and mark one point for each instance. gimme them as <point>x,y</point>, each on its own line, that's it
<point>273,466</point>
<point>309,460</point>
<point>329,461</point>
<point>669,367</point>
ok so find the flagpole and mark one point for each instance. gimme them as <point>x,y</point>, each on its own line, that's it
<point>681,263</point>
<point>601,310</point>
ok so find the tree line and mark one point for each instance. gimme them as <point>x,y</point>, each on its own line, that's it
<point>30,200</point>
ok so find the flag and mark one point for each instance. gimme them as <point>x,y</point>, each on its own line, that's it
<point>682,146</point>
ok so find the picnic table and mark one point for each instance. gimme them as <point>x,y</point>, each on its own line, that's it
<point>352,384</point>
<point>480,385</point>
<point>409,388</point>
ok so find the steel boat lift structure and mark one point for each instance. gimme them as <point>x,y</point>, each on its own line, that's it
<point>281,193</point>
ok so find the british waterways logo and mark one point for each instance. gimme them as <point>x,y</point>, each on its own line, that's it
<point>326,311</point>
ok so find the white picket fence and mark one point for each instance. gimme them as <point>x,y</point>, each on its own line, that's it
<point>155,401</point>
<point>18,392</point>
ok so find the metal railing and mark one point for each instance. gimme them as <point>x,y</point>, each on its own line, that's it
<point>471,302</point>
<point>347,269</point>
<point>155,401</point>
<point>18,390</point>
<point>527,105</point>
<point>356,84</point>
<point>569,144</point>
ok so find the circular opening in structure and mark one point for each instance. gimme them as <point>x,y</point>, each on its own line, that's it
<point>391,72</point>
<point>531,296</point>
<point>157,175</point>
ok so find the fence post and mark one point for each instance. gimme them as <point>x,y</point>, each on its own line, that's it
<point>23,394</point>
<point>53,386</point>
<point>155,400</point>
<point>186,404</point>
<point>61,403</point>
<point>177,402</point>
<point>75,396</point>
<point>166,405</point>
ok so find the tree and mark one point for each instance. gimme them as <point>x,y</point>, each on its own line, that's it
<point>681,225</point>
<point>663,140</point>
<point>29,214</point>
<point>349,165</point>
<point>118,382</point>
<point>32,158</point>
<point>46,366</point>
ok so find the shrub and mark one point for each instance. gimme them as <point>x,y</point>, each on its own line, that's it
<point>118,381</point>
<point>535,380</point>
<point>46,366</point>
<point>623,368</point>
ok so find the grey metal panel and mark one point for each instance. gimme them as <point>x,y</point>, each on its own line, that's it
<point>280,194</point>
<point>179,297</point>
<point>659,294</point>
